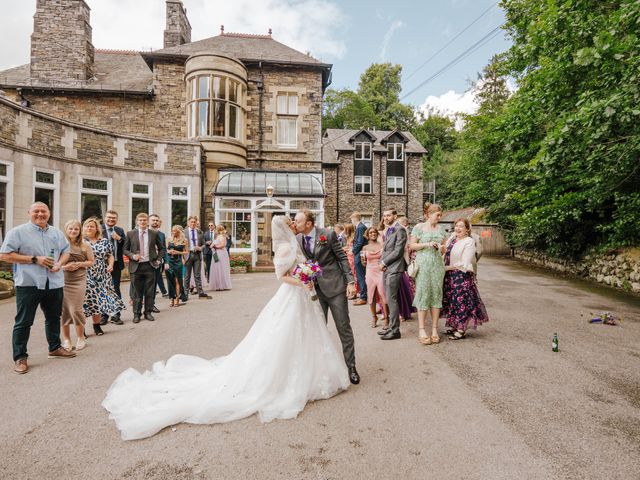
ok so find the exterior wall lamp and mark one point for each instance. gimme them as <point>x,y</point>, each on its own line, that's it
<point>270,191</point>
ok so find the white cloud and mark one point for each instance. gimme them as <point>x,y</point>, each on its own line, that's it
<point>396,24</point>
<point>451,104</point>
<point>306,25</point>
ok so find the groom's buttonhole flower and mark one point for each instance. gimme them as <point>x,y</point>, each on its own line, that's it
<point>323,240</point>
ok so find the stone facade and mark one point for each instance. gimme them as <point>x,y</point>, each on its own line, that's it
<point>61,24</point>
<point>617,269</point>
<point>31,141</point>
<point>339,178</point>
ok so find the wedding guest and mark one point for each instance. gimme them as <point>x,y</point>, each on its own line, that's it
<point>461,302</point>
<point>100,297</point>
<point>38,252</point>
<point>177,246</point>
<point>339,229</point>
<point>155,223</point>
<point>393,265</point>
<point>194,266</point>
<point>207,251</point>
<point>358,243</point>
<point>220,274</point>
<point>115,235</point>
<point>371,254</point>
<point>75,284</point>
<point>229,242</point>
<point>405,291</point>
<point>428,240</point>
<point>145,251</point>
<point>349,233</point>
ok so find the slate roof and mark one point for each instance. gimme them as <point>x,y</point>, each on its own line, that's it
<point>244,47</point>
<point>338,140</point>
<point>115,70</point>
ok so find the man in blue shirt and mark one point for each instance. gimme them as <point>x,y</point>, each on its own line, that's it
<point>38,251</point>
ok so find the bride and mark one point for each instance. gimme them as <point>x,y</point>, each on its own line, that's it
<point>286,359</point>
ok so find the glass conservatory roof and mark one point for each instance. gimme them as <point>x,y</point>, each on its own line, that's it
<point>255,183</point>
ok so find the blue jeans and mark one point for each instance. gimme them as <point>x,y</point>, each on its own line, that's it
<point>27,301</point>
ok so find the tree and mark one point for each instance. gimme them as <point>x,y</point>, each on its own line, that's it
<point>347,109</point>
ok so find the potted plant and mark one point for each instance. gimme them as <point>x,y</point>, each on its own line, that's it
<point>6,284</point>
<point>239,264</point>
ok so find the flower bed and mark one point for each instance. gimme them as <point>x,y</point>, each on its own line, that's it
<point>240,263</point>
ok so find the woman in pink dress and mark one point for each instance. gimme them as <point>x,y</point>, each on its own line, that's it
<point>350,233</point>
<point>371,254</point>
<point>220,271</point>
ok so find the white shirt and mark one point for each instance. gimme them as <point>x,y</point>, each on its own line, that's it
<point>146,246</point>
<point>192,246</point>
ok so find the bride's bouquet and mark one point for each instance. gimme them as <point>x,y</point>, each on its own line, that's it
<point>307,273</point>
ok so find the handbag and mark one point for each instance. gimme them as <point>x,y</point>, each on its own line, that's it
<point>215,257</point>
<point>412,268</point>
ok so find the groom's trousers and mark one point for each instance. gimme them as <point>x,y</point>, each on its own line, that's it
<point>391,287</point>
<point>339,306</point>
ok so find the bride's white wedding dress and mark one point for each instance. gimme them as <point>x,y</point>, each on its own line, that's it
<point>287,359</point>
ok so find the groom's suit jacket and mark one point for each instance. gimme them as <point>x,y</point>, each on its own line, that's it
<point>330,255</point>
<point>393,250</point>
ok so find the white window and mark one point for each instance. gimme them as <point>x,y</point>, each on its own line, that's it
<point>395,185</point>
<point>6,198</point>
<point>46,189</point>
<point>362,184</point>
<point>95,197</point>
<point>367,220</point>
<point>395,151</point>
<point>287,126</point>
<point>140,200</point>
<point>363,150</point>
<point>179,204</point>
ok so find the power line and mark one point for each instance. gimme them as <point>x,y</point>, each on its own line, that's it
<point>450,42</point>
<point>484,40</point>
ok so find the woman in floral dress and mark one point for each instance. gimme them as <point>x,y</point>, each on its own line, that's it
<point>100,298</point>
<point>428,240</point>
<point>461,303</point>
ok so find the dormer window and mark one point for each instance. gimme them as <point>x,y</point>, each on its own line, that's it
<point>362,150</point>
<point>395,152</point>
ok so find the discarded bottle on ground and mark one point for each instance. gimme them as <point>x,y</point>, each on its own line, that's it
<point>554,342</point>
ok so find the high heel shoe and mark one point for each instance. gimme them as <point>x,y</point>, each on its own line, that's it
<point>80,344</point>
<point>97,329</point>
<point>435,339</point>
<point>424,339</point>
<point>172,304</point>
<point>374,321</point>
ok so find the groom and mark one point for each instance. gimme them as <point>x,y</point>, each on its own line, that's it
<point>335,284</point>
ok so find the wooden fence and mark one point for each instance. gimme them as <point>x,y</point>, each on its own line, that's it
<point>491,236</point>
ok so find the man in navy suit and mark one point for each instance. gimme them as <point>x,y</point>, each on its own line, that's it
<point>155,223</point>
<point>115,235</point>
<point>207,252</point>
<point>358,242</point>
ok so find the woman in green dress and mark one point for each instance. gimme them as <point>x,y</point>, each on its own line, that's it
<point>428,240</point>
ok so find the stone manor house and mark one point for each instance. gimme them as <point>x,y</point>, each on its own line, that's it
<point>227,128</point>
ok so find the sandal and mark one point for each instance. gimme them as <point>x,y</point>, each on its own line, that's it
<point>374,321</point>
<point>435,339</point>
<point>449,331</point>
<point>457,335</point>
<point>97,329</point>
<point>424,339</point>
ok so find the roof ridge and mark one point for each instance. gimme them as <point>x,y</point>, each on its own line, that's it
<point>245,35</point>
<point>116,51</point>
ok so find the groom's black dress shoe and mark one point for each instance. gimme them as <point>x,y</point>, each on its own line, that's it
<point>148,316</point>
<point>353,376</point>
<point>136,319</point>
<point>390,336</point>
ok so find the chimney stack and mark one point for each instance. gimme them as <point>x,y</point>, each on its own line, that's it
<point>178,29</point>
<point>61,48</point>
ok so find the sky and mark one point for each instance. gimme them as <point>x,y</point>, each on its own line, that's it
<point>350,34</point>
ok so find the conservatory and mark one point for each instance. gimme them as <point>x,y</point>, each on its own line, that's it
<point>246,200</point>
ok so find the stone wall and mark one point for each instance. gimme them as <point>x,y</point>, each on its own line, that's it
<point>342,201</point>
<point>619,270</point>
<point>178,29</point>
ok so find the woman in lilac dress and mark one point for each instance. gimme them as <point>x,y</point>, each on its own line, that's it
<point>220,272</point>
<point>461,302</point>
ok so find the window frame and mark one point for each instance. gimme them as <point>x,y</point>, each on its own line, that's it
<point>362,180</point>
<point>287,116</point>
<point>362,145</point>
<point>173,197</point>
<point>55,187</point>
<point>92,191</point>
<point>395,186</point>
<point>8,180</point>
<point>395,148</point>
<point>132,195</point>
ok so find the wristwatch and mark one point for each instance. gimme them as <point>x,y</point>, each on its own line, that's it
<point>34,259</point>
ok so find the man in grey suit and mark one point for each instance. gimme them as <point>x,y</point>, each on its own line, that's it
<point>336,282</point>
<point>195,238</point>
<point>145,251</point>
<point>393,264</point>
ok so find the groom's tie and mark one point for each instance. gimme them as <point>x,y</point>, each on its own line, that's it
<point>307,245</point>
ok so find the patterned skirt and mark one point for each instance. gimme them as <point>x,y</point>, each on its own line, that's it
<point>461,302</point>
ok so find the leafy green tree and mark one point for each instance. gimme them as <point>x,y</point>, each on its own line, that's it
<point>347,109</point>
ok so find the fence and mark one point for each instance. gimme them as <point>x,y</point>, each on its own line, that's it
<point>491,237</point>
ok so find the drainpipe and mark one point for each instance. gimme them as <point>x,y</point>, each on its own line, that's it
<point>203,174</point>
<point>260,86</point>
<point>380,184</point>
<point>406,183</point>
<point>338,191</point>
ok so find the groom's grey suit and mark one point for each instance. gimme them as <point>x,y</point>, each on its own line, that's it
<point>331,286</point>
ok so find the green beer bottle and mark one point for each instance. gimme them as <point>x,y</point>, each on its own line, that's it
<point>554,342</point>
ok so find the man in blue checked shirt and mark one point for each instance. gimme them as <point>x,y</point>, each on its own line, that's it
<point>38,251</point>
